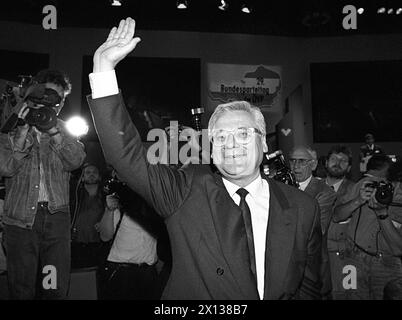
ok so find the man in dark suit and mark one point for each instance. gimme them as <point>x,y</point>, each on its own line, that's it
<point>303,161</point>
<point>367,151</point>
<point>234,234</point>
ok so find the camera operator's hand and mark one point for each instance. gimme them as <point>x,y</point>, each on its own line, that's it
<point>375,205</point>
<point>117,46</point>
<point>22,113</point>
<point>112,202</point>
<point>366,192</point>
<point>22,131</point>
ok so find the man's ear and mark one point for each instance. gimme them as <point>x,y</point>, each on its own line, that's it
<point>314,164</point>
<point>264,145</point>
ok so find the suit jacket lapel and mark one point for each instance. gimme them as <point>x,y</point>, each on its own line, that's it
<point>311,188</point>
<point>232,237</point>
<point>280,239</point>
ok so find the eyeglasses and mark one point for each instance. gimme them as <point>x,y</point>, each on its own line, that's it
<point>301,162</point>
<point>335,159</point>
<point>241,135</point>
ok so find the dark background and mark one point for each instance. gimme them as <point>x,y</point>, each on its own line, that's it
<point>350,99</point>
<point>15,63</point>
<point>168,88</point>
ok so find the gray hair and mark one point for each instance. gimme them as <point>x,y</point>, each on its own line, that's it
<point>309,150</point>
<point>255,112</point>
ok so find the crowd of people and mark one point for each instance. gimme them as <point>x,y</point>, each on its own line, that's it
<point>221,231</point>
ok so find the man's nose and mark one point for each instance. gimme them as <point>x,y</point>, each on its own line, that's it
<point>231,141</point>
<point>297,164</point>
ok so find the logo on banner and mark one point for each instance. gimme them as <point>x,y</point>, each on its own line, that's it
<point>261,87</point>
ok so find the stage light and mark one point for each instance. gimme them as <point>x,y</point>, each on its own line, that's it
<point>115,3</point>
<point>399,11</point>
<point>360,10</point>
<point>77,126</point>
<point>246,8</point>
<point>182,4</point>
<point>224,5</point>
<point>390,11</point>
<point>381,10</point>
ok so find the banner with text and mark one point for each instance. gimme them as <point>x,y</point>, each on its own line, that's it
<point>258,84</point>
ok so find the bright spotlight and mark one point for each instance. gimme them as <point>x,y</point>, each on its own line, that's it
<point>360,10</point>
<point>77,126</point>
<point>224,5</point>
<point>182,4</point>
<point>116,3</point>
<point>390,11</point>
<point>245,8</point>
<point>399,11</point>
<point>381,10</point>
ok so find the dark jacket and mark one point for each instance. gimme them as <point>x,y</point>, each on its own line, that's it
<point>337,232</point>
<point>325,197</point>
<point>208,238</point>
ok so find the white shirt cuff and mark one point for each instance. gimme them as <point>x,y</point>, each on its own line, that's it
<point>103,84</point>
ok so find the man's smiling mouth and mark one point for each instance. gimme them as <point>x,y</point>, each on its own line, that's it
<point>234,156</point>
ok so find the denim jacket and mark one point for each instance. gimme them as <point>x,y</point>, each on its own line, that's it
<point>21,171</point>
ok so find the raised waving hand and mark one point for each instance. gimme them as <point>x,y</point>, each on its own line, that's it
<point>118,45</point>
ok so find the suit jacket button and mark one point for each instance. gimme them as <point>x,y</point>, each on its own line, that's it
<point>220,271</point>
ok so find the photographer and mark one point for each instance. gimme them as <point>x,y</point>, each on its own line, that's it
<point>36,161</point>
<point>88,208</point>
<point>130,269</point>
<point>374,235</point>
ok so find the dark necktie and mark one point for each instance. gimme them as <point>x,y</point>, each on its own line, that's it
<point>249,228</point>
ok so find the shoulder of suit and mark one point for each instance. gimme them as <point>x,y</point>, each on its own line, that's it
<point>319,185</point>
<point>197,172</point>
<point>292,194</point>
<point>347,184</point>
<point>323,185</point>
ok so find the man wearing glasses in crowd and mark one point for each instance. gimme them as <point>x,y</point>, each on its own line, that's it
<point>303,161</point>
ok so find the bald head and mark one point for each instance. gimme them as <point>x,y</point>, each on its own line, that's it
<point>303,160</point>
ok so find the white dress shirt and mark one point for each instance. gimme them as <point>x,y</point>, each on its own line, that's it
<point>132,243</point>
<point>103,84</point>
<point>258,202</point>
<point>303,185</point>
<point>336,185</point>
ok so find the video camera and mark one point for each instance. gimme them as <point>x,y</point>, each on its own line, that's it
<point>40,101</point>
<point>274,166</point>
<point>384,191</point>
<point>113,186</point>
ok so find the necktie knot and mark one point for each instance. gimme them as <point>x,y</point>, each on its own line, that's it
<point>242,193</point>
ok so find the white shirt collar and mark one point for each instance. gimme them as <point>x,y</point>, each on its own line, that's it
<point>303,185</point>
<point>254,188</point>
<point>336,185</point>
